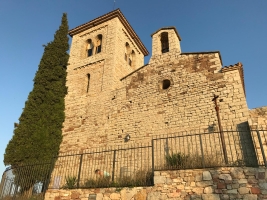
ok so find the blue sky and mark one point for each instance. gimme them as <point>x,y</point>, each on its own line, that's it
<point>238,29</point>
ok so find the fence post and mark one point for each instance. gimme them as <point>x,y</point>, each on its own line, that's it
<point>113,166</point>
<point>202,152</point>
<point>47,181</point>
<point>79,172</point>
<point>261,146</point>
<point>153,161</point>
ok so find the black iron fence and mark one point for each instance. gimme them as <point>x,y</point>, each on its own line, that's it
<point>134,165</point>
<point>123,166</point>
<point>25,182</point>
<point>204,150</point>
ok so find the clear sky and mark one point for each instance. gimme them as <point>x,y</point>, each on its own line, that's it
<point>238,29</point>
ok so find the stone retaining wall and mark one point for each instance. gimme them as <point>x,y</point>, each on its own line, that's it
<point>202,184</point>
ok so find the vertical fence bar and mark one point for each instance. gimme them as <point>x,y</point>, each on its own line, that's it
<point>153,161</point>
<point>79,172</point>
<point>202,152</point>
<point>262,150</point>
<point>113,165</point>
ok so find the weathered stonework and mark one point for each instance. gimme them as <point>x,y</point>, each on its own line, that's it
<point>121,99</point>
<point>258,117</point>
<point>112,94</point>
<point>226,183</point>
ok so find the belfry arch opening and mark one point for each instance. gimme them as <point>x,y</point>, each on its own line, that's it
<point>98,43</point>
<point>90,48</point>
<point>164,42</point>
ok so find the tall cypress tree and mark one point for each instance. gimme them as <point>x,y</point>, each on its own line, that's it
<point>38,135</point>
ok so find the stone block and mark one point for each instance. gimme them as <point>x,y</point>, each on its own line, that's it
<point>208,190</point>
<point>174,195</point>
<point>225,197</point>
<point>159,179</point>
<point>242,181</point>
<point>243,190</point>
<point>255,190</point>
<point>99,196</point>
<point>128,193</point>
<point>221,185</point>
<point>233,191</point>
<point>180,187</point>
<point>237,173</point>
<point>261,175</point>
<point>210,197</point>
<point>168,180</point>
<point>263,186</point>
<point>75,195</point>
<point>225,177</point>
<point>197,190</point>
<point>204,183</point>
<point>198,177</point>
<point>115,196</point>
<point>206,176</point>
<point>250,197</point>
<point>153,195</point>
<point>249,171</point>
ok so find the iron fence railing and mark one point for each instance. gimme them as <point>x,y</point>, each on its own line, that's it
<point>204,150</point>
<point>25,181</point>
<point>123,166</point>
<point>134,165</point>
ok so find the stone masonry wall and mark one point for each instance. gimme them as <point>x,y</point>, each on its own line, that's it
<point>203,184</point>
<point>144,110</point>
<point>258,117</point>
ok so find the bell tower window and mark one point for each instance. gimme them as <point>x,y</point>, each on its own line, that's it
<point>88,82</point>
<point>98,44</point>
<point>90,48</point>
<point>164,42</point>
<point>131,58</point>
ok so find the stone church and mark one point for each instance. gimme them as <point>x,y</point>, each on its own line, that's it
<point>112,96</point>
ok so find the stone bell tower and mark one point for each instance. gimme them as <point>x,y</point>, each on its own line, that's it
<point>165,42</point>
<point>103,51</point>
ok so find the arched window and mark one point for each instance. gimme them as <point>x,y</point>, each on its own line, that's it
<point>131,58</point>
<point>90,48</point>
<point>164,42</point>
<point>98,44</point>
<point>88,82</point>
<point>126,51</point>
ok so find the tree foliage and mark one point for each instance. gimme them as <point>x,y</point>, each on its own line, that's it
<point>38,135</point>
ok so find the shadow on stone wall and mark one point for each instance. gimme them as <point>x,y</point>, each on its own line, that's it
<point>246,144</point>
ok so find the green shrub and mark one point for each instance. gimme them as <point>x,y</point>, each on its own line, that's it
<point>100,182</point>
<point>191,161</point>
<point>71,182</point>
<point>140,178</point>
<point>176,160</point>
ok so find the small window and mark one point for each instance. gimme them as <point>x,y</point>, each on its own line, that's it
<point>126,52</point>
<point>98,44</point>
<point>88,82</point>
<point>130,62</point>
<point>90,48</point>
<point>164,42</point>
<point>166,84</point>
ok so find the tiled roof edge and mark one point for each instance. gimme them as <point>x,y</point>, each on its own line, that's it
<point>238,66</point>
<point>168,28</point>
<point>108,16</point>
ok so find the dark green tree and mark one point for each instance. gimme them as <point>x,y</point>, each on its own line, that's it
<point>38,135</point>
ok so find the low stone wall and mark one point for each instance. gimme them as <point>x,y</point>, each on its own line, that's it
<point>201,184</point>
